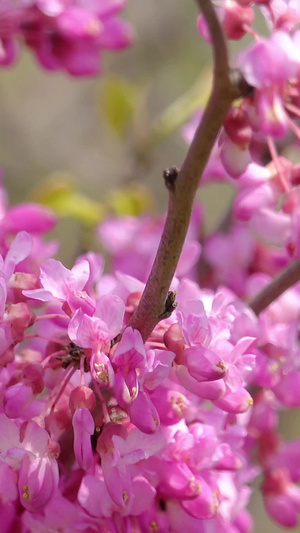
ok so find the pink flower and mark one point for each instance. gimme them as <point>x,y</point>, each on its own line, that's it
<point>64,35</point>
<point>64,285</point>
<point>282,498</point>
<point>27,452</point>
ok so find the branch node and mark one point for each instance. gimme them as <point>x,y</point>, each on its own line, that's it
<point>170,176</point>
<point>170,305</point>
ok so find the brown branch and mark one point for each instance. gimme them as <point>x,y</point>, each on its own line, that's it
<point>285,279</point>
<point>225,89</point>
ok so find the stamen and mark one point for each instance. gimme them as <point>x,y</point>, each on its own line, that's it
<point>25,493</point>
<point>69,373</point>
<point>44,337</point>
<point>274,156</point>
<point>50,316</point>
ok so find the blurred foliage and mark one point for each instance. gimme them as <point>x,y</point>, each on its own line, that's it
<point>60,193</point>
<point>117,103</point>
<point>178,113</point>
<point>133,199</point>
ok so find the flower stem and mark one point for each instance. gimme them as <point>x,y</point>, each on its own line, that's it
<point>281,283</point>
<point>181,195</point>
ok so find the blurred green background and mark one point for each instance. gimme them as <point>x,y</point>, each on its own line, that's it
<point>55,129</point>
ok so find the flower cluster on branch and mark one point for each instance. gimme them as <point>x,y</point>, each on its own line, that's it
<point>116,414</point>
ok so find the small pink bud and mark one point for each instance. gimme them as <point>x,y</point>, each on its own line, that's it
<point>20,318</point>
<point>237,127</point>
<point>174,341</point>
<point>82,396</point>
<point>33,375</point>
<point>236,21</point>
<point>235,402</point>
<point>133,301</point>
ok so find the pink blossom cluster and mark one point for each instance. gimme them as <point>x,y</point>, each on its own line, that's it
<point>65,35</point>
<point>252,149</point>
<point>100,431</point>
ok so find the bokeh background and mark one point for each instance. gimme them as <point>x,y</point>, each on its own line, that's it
<point>54,128</point>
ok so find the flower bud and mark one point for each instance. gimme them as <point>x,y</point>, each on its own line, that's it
<point>80,397</point>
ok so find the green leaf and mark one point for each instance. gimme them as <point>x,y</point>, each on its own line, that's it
<point>117,103</point>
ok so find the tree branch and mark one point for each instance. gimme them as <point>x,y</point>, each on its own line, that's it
<point>285,279</point>
<point>181,196</point>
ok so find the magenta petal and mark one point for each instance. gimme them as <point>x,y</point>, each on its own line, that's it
<point>80,274</point>
<point>209,390</point>
<point>8,483</point>
<point>108,8</point>
<point>189,256</point>
<point>117,481</point>
<point>126,387</point>
<point>76,23</point>
<point>160,370</point>
<point>110,308</point>
<point>143,414</point>
<point>235,402</point>
<point>274,227</point>
<point>30,217</point>
<point>282,510</point>
<point>39,294</point>
<point>19,250</point>
<point>131,350</point>
<point>17,400</point>
<point>9,434</point>
<point>81,59</point>
<point>143,495</point>
<point>288,390</point>
<point>8,512</point>
<point>171,405</point>
<point>35,439</point>
<point>204,364</point>
<point>181,521</point>
<point>206,505</point>
<point>54,278</point>
<point>3,294</point>
<point>94,498</point>
<point>87,331</point>
<point>116,34</point>
<point>37,482</point>
<point>83,425</point>
<point>252,199</point>
<point>178,482</point>
<point>8,52</point>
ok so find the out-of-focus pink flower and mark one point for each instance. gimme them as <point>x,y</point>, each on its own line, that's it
<point>64,35</point>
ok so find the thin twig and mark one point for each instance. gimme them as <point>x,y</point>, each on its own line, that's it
<point>181,197</point>
<point>285,279</point>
